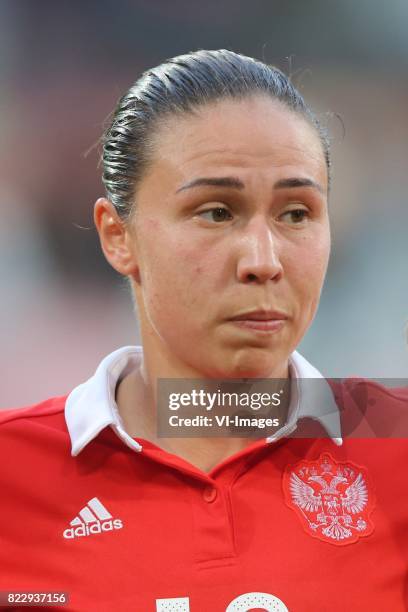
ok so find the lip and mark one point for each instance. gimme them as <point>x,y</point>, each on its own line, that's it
<point>261,320</point>
<point>260,315</point>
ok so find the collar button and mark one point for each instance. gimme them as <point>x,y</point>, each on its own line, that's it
<point>209,494</point>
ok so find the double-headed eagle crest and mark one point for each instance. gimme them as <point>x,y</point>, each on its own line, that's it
<point>332,498</point>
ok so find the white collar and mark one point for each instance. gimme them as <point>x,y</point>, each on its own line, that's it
<point>91,407</point>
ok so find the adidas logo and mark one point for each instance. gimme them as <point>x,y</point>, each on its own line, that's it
<point>93,518</point>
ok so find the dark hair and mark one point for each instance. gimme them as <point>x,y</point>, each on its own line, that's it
<point>180,85</point>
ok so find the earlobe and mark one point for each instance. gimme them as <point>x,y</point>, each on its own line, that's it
<point>114,235</point>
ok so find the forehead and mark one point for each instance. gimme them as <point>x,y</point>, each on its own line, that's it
<point>257,135</point>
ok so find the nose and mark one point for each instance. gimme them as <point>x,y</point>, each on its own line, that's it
<point>259,259</point>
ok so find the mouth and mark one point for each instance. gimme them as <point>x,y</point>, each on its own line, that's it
<point>268,321</point>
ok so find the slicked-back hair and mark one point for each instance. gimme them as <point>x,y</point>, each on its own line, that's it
<point>181,85</point>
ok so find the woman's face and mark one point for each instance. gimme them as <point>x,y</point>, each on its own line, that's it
<point>231,218</point>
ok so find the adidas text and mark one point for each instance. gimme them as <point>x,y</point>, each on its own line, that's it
<point>96,527</point>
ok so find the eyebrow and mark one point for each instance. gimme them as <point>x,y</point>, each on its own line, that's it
<point>236,183</point>
<point>224,181</point>
<point>297,182</point>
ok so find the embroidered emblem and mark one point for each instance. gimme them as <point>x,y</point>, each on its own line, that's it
<point>332,498</point>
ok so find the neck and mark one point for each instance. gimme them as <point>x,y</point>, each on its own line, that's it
<point>136,397</point>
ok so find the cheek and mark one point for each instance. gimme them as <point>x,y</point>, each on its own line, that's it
<point>175,276</point>
<point>316,259</point>
<point>307,265</point>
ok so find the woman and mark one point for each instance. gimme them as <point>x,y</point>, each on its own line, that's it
<point>217,179</point>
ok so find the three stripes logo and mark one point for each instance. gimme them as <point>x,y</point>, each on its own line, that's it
<point>93,518</point>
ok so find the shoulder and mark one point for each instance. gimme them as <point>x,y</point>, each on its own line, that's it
<point>364,390</point>
<point>30,437</point>
<point>34,442</point>
<point>45,411</point>
<point>372,409</point>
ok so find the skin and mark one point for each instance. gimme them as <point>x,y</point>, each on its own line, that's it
<point>192,268</point>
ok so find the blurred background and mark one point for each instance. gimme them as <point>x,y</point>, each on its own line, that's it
<point>64,66</point>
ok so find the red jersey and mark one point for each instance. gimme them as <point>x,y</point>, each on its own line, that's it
<point>288,523</point>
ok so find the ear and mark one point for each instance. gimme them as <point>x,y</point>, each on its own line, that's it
<point>118,245</point>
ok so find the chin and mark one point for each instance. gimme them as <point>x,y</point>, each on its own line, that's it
<point>250,363</point>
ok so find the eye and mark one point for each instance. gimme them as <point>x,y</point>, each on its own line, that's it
<point>295,216</point>
<point>217,214</point>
